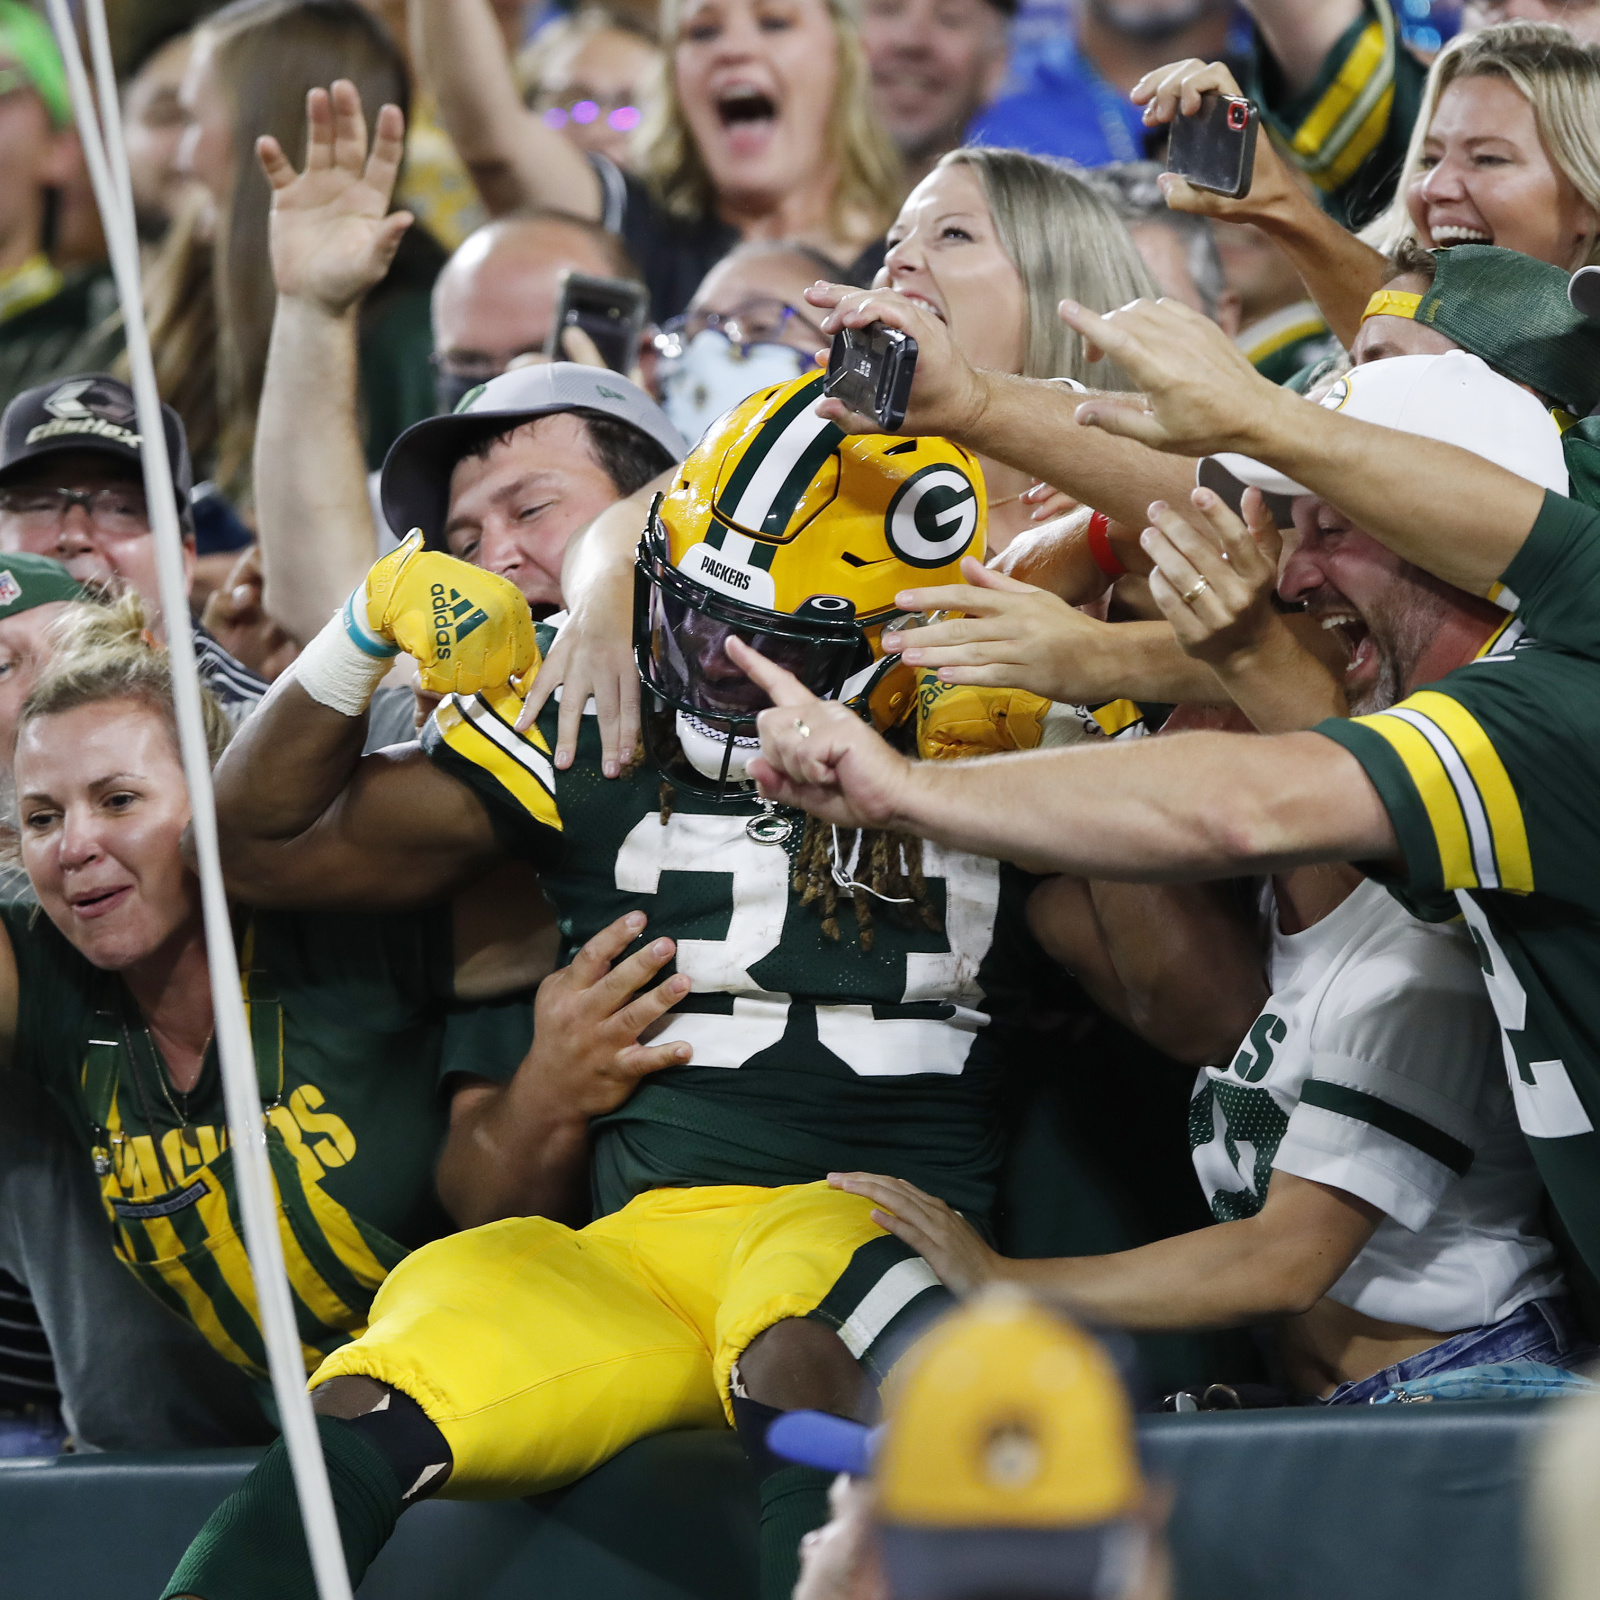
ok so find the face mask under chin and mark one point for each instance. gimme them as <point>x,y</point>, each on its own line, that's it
<point>712,376</point>
<point>705,748</point>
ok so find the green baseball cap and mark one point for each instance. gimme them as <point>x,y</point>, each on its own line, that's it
<point>27,581</point>
<point>34,61</point>
<point>1514,312</point>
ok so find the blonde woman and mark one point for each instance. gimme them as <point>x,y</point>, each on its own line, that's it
<point>760,128</point>
<point>105,1004</point>
<point>1506,151</point>
<point>989,243</point>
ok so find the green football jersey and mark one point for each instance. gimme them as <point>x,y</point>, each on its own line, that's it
<point>1348,132</point>
<point>1491,778</point>
<point>811,1054</point>
<point>348,1017</point>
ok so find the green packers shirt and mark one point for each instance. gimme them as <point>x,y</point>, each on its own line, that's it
<point>1491,779</point>
<point>347,1015</point>
<point>811,1054</point>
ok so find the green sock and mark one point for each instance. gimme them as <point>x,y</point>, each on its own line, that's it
<point>794,1500</point>
<point>253,1547</point>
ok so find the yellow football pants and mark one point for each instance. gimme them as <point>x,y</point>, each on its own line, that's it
<point>540,1352</point>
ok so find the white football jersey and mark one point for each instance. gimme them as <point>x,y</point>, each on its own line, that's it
<point>1376,1068</point>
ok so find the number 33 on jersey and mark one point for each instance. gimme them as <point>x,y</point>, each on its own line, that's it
<point>808,1051</point>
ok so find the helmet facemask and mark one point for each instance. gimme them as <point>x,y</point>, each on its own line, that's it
<point>699,717</point>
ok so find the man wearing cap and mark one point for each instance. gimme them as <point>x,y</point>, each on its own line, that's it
<point>1481,788</point>
<point>72,489</point>
<point>45,315</point>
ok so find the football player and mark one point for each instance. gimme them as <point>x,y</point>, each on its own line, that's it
<point>838,994</point>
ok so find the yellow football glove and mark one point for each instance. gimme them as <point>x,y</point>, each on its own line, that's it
<point>956,720</point>
<point>467,629</point>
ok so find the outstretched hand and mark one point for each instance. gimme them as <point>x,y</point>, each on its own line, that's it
<point>593,1016</point>
<point>1011,636</point>
<point>942,1237</point>
<point>946,391</point>
<point>1233,563</point>
<point>333,236</point>
<point>818,754</point>
<point>1201,394</point>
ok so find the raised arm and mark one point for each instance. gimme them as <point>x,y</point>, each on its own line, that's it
<point>1339,271</point>
<point>1197,805</point>
<point>1300,34</point>
<point>952,400</point>
<point>333,238</point>
<point>304,818</point>
<point>1442,508</point>
<point>513,158</point>
<point>1179,964</point>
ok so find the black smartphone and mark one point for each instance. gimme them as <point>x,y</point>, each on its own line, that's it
<point>611,311</point>
<point>870,369</point>
<point>1215,149</point>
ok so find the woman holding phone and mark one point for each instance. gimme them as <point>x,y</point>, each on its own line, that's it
<point>989,243</point>
<point>1506,151</point>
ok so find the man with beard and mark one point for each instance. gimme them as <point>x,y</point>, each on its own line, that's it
<point>1360,1148</point>
<point>1071,82</point>
<point>935,64</point>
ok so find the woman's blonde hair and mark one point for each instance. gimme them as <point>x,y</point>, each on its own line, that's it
<point>1065,241</point>
<point>105,651</point>
<point>1558,77</point>
<point>869,184</point>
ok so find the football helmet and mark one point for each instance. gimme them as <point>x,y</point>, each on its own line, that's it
<point>795,536</point>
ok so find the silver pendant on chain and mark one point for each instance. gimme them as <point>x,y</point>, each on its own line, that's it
<point>769,828</point>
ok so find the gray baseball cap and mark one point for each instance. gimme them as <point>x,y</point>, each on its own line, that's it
<point>415,485</point>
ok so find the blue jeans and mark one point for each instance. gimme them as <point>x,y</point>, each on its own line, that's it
<point>1542,1330</point>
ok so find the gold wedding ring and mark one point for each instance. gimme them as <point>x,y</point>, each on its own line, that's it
<point>804,731</point>
<point>1189,596</point>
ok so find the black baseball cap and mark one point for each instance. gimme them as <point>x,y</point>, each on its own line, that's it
<point>91,411</point>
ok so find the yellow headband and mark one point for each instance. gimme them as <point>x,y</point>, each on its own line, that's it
<point>1392,303</point>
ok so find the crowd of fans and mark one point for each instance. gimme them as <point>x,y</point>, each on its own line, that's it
<point>666,818</point>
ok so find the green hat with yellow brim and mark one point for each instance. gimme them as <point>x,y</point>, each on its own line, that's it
<point>1514,313</point>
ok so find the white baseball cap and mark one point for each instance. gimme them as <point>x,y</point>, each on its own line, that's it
<point>1454,398</point>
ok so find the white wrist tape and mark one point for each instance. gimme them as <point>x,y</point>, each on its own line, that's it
<point>347,661</point>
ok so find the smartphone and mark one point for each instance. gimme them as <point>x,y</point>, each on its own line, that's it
<point>870,369</point>
<point>611,311</point>
<point>1215,149</point>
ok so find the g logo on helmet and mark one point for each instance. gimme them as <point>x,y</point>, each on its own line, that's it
<point>931,519</point>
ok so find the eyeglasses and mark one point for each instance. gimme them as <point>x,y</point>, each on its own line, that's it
<point>761,321</point>
<point>586,108</point>
<point>114,512</point>
<point>475,364</point>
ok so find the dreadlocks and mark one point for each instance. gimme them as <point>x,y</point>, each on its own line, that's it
<point>893,863</point>
<point>893,868</point>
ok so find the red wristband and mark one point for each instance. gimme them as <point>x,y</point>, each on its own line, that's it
<point>1099,541</point>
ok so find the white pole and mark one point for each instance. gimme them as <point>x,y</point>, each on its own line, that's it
<point>108,170</point>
